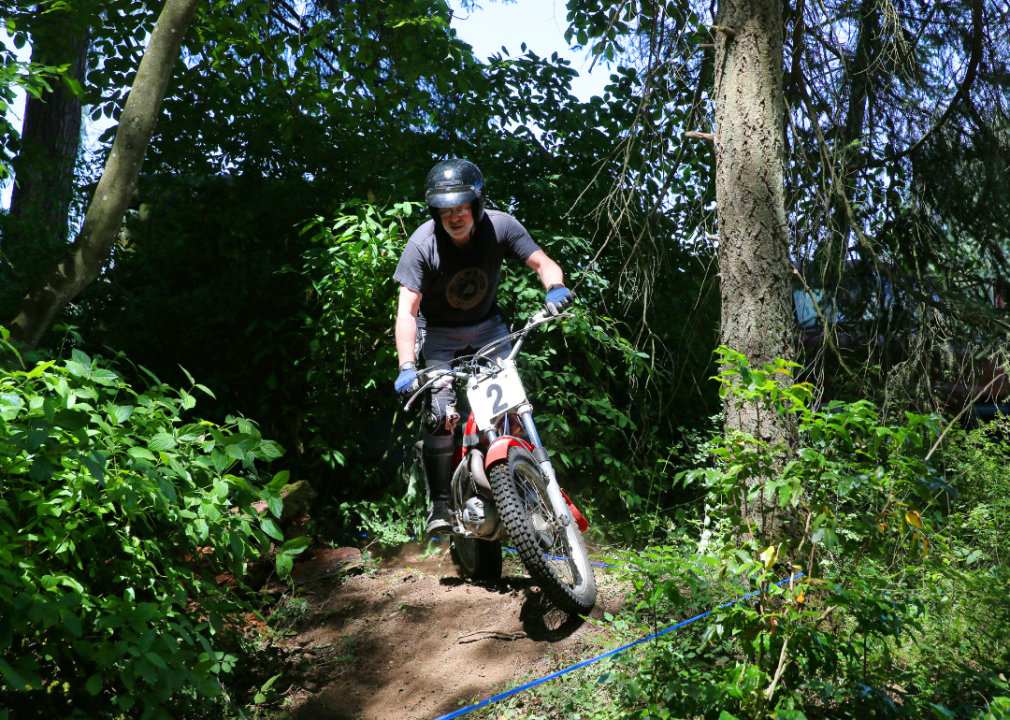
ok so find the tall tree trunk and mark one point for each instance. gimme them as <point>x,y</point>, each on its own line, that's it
<point>754,259</point>
<point>861,81</point>
<point>51,134</point>
<point>93,245</point>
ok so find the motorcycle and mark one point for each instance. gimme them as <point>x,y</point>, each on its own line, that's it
<point>504,485</point>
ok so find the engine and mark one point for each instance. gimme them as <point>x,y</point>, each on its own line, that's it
<point>481,517</point>
<point>472,492</point>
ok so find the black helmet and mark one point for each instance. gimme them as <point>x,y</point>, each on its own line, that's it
<point>452,183</point>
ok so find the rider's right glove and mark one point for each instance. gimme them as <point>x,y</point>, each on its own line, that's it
<point>558,298</point>
<point>406,381</point>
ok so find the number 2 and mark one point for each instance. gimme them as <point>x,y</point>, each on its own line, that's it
<point>499,406</point>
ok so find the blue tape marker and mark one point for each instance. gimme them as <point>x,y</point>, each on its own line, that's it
<point>590,661</point>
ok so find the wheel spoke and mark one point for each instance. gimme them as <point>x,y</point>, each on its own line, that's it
<point>532,489</point>
<point>554,554</point>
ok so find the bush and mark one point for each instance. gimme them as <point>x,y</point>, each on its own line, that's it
<point>116,513</point>
<point>867,508</point>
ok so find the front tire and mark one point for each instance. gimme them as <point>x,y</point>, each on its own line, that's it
<point>478,559</point>
<point>555,556</point>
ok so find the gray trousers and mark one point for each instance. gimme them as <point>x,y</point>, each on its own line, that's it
<point>437,345</point>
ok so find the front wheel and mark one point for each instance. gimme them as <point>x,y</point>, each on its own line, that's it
<point>555,556</point>
<point>478,559</point>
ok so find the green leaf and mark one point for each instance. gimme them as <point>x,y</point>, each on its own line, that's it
<point>270,528</point>
<point>161,442</point>
<point>156,660</point>
<point>139,453</point>
<point>284,565</point>
<point>72,623</point>
<point>120,414</point>
<point>275,504</point>
<point>94,469</point>
<point>42,469</point>
<point>221,460</point>
<point>94,684</point>
<point>81,357</point>
<point>105,377</point>
<point>279,481</point>
<point>188,376</point>
<point>270,450</point>
<point>295,545</point>
<point>12,677</point>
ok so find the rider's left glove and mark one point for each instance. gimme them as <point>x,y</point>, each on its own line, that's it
<point>406,381</point>
<point>558,298</point>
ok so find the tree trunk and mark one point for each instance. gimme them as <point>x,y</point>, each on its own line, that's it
<point>93,245</point>
<point>861,79</point>
<point>50,136</point>
<point>754,262</point>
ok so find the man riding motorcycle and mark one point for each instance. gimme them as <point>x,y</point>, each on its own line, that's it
<point>448,276</point>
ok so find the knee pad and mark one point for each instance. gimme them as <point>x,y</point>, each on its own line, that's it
<point>440,414</point>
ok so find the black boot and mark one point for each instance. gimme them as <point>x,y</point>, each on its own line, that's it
<point>438,477</point>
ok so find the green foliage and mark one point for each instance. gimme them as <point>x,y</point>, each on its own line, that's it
<point>578,374</point>
<point>117,511</point>
<point>863,509</point>
<point>34,79</point>
<point>289,612</point>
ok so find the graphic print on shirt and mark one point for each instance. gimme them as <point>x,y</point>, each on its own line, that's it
<point>467,288</point>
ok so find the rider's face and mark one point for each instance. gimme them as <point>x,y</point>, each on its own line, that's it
<point>458,222</point>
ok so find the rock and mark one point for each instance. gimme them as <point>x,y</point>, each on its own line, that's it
<point>326,563</point>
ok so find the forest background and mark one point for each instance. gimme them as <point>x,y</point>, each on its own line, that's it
<point>252,270</point>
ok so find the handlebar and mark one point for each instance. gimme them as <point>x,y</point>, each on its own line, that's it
<point>430,375</point>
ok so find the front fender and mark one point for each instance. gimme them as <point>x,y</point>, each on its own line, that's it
<point>499,449</point>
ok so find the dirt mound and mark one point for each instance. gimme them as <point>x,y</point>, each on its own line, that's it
<point>412,640</point>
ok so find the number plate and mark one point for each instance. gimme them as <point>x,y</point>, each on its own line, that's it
<point>493,396</point>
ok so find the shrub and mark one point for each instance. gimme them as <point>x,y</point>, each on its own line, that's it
<point>865,509</point>
<point>116,513</point>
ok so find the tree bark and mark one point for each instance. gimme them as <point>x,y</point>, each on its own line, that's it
<point>93,245</point>
<point>51,134</point>
<point>754,259</point>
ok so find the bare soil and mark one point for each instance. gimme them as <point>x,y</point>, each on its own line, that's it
<point>412,640</point>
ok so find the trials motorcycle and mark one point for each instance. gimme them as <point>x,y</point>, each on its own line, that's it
<point>504,486</point>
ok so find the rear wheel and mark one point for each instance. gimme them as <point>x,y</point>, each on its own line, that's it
<point>554,555</point>
<point>478,559</point>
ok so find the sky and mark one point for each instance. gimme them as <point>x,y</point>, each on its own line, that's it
<point>539,23</point>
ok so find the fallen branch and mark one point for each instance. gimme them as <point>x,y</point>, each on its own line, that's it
<point>476,635</point>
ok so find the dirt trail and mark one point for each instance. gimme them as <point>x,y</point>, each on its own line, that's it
<point>412,640</point>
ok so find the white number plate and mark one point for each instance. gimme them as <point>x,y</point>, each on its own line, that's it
<point>495,395</point>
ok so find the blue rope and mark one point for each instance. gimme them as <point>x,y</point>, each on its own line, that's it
<point>590,661</point>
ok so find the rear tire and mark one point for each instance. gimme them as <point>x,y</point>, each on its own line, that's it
<point>478,559</point>
<point>555,556</point>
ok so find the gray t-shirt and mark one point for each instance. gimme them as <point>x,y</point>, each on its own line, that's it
<point>458,285</point>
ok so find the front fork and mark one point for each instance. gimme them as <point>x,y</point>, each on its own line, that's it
<point>525,413</point>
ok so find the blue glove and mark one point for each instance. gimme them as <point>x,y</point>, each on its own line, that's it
<point>406,381</point>
<point>558,298</point>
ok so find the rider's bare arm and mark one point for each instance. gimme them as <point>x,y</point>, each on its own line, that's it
<point>406,324</point>
<point>546,269</point>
